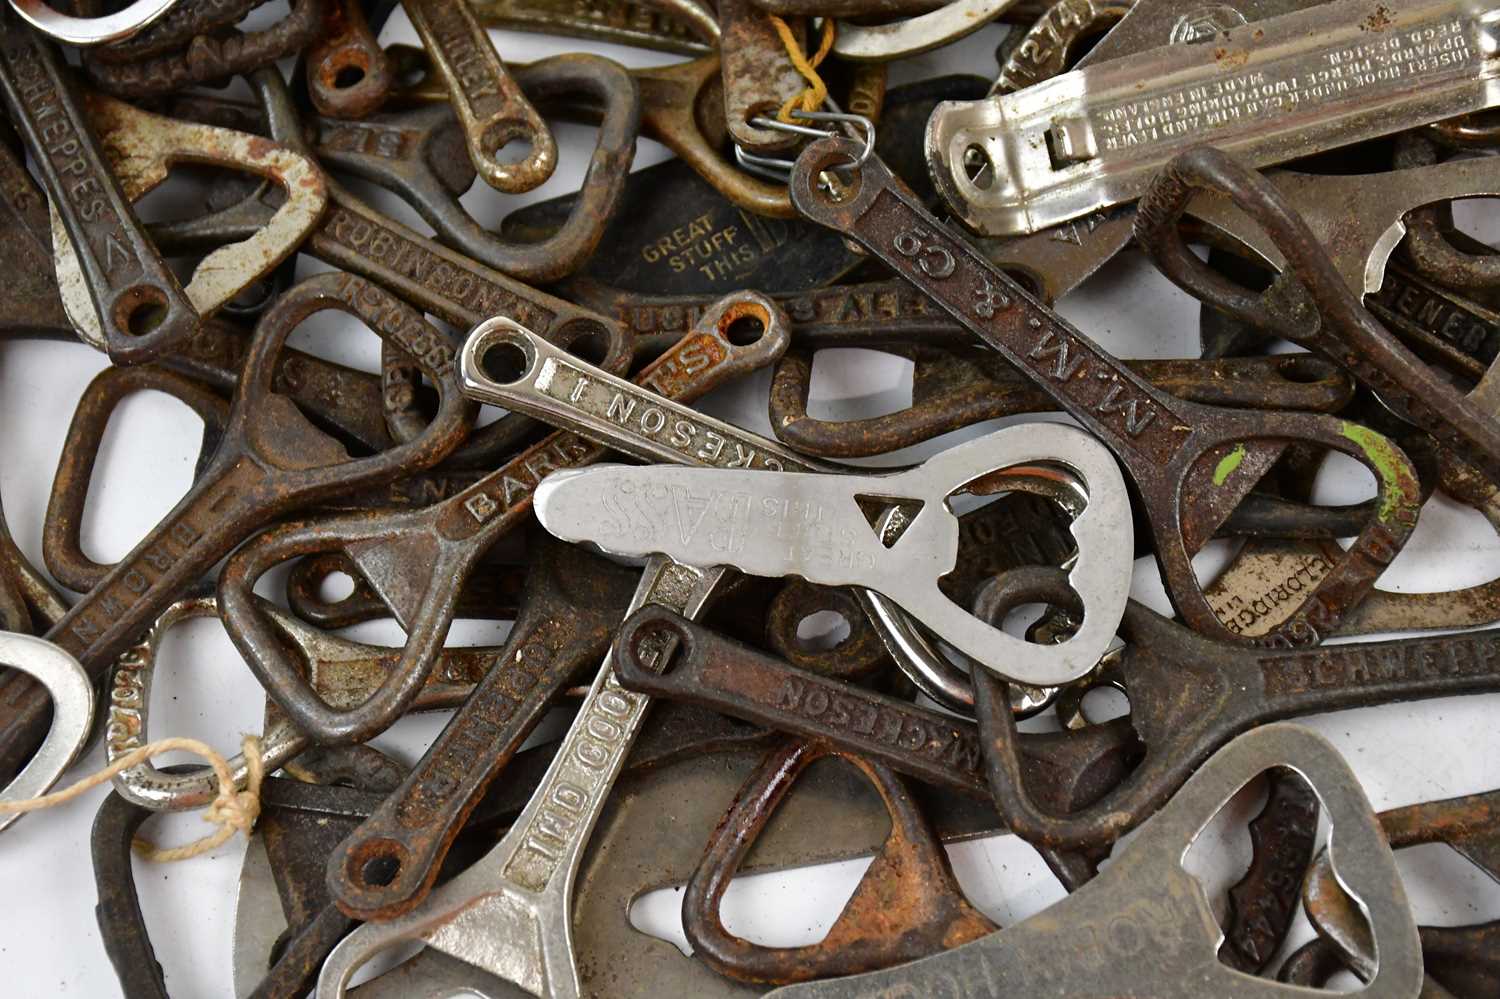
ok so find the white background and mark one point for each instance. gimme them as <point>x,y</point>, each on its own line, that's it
<point>49,942</point>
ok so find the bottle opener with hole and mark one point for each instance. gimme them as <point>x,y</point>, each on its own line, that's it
<point>339,670</point>
<point>1192,464</point>
<point>271,460</point>
<point>1282,88</point>
<point>1144,926</point>
<point>72,703</point>
<point>126,278</point>
<point>1191,694</point>
<point>141,148</point>
<point>823,528</point>
<point>1462,959</point>
<point>490,105</point>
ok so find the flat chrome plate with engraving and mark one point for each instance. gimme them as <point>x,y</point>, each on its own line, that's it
<point>827,529</point>
<point>1268,92</point>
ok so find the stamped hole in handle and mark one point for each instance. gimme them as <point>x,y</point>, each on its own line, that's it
<point>513,151</point>
<point>838,179</point>
<point>1301,370</point>
<point>505,363</point>
<point>376,863</point>
<point>348,77</point>
<point>823,631</point>
<point>657,644</point>
<point>744,323</point>
<point>140,309</point>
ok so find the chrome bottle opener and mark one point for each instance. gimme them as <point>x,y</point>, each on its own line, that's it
<point>72,714</point>
<point>559,388</point>
<point>1267,92</point>
<point>819,527</point>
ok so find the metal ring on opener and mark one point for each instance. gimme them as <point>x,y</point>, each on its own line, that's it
<point>86,31</point>
<point>924,664</point>
<point>72,713</point>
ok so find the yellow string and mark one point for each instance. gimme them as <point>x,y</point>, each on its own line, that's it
<point>812,98</point>
<point>233,811</point>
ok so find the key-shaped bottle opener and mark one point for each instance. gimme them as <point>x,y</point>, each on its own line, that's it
<point>1280,89</point>
<point>555,386</point>
<point>1192,464</point>
<point>819,527</point>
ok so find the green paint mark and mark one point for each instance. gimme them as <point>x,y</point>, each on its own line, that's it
<point>1228,464</point>
<point>1388,465</point>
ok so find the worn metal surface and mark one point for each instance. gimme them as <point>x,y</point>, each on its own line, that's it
<point>122,925</point>
<point>1052,44</point>
<point>676,235</point>
<point>1459,960</point>
<point>341,672</point>
<point>348,73</point>
<point>1094,137</point>
<point>715,672</point>
<point>174,29</point>
<point>355,237</point>
<point>824,528</point>
<point>210,58</point>
<point>142,308</point>
<point>387,865</point>
<point>646,25</point>
<point>1192,464</point>
<point>410,152</point>
<point>1190,695</point>
<point>907,905</point>
<point>1148,918</point>
<point>491,593</point>
<point>956,388</point>
<point>758,75</point>
<point>490,105</point>
<point>271,461</point>
<point>1308,302</point>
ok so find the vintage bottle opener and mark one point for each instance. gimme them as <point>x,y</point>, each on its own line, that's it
<point>1268,92</point>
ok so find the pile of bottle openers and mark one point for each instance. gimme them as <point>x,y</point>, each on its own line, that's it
<point>1292,165</point>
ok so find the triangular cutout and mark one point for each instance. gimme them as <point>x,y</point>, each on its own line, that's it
<point>878,510</point>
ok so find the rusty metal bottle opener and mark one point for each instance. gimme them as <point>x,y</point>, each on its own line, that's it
<point>1462,958</point>
<point>906,906</point>
<point>142,307</point>
<point>1190,695</point>
<point>489,103</point>
<point>1192,464</point>
<point>1143,926</point>
<point>141,148</point>
<point>524,887</point>
<point>1281,88</point>
<point>271,460</point>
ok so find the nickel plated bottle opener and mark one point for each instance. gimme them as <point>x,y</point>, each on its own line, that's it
<point>1268,92</point>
